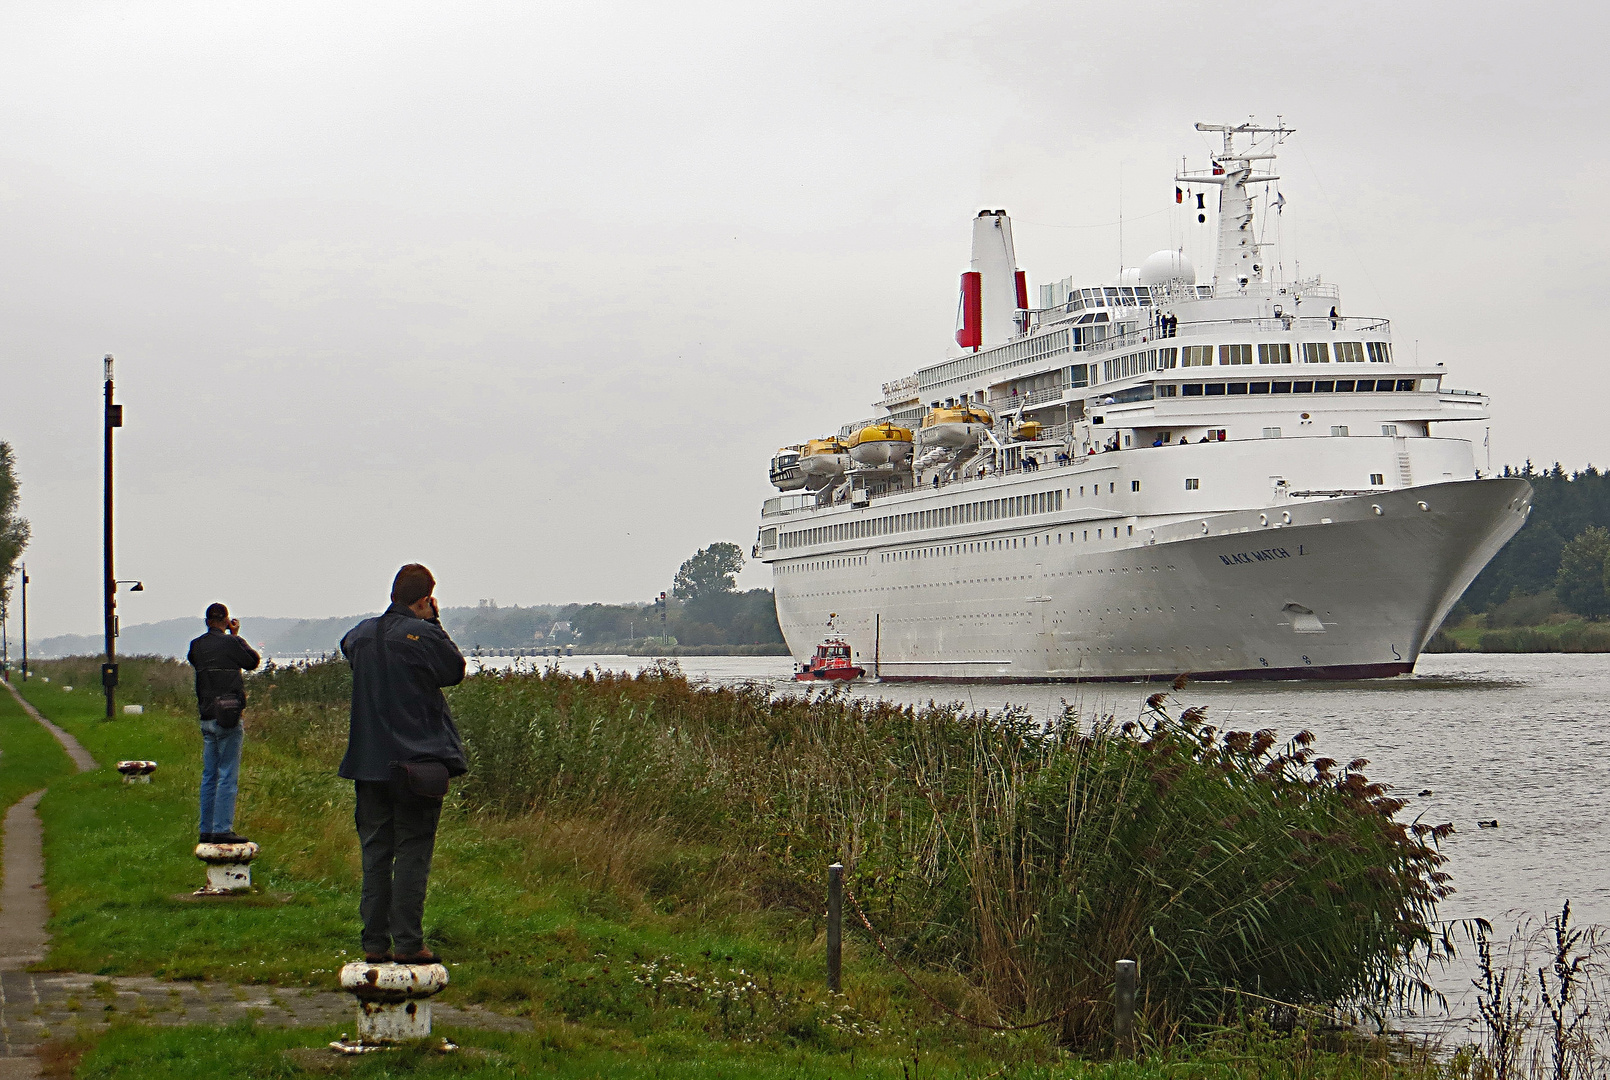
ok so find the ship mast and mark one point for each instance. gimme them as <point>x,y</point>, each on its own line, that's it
<point>1238,262</point>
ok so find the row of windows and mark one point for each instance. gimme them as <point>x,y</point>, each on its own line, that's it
<point>1298,386</point>
<point>1280,352</point>
<point>1039,502</point>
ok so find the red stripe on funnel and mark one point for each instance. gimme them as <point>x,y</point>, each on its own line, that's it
<point>971,334</point>
<point>1022,288</point>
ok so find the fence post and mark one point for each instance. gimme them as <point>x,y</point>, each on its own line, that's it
<point>1123,1000</point>
<point>835,926</point>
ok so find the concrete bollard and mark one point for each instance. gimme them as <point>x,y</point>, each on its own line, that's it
<point>393,1003</point>
<point>136,772</point>
<point>229,869</point>
<point>1123,1021</point>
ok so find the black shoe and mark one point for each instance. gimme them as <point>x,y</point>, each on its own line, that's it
<point>207,838</point>
<point>230,837</point>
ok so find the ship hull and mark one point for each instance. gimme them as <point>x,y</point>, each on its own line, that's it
<point>1350,588</point>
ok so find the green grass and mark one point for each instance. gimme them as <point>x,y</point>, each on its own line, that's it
<point>30,757</point>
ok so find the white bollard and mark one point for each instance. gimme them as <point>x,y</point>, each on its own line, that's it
<point>136,772</point>
<point>229,868</point>
<point>133,710</point>
<point>393,1003</point>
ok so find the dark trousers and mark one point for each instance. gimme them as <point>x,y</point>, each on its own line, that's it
<point>397,831</point>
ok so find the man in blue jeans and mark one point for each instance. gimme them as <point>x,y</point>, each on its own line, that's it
<point>219,656</point>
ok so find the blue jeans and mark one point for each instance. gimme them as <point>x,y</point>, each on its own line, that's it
<point>220,775</point>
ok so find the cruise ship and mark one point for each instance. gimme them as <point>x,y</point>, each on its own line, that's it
<point>1231,480</point>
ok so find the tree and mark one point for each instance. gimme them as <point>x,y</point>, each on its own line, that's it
<point>1581,581</point>
<point>710,572</point>
<point>13,529</point>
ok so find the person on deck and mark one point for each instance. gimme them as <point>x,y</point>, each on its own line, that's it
<point>219,656</point>
<point>402,747</point>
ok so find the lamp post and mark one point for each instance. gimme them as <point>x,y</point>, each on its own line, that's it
<point>24,622</point>
<point>114,419</point>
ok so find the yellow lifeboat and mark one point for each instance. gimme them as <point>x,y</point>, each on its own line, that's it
<point>1027,431</point>
<point>823,458</point>
<point>881,444</point>
<point>955,426</point>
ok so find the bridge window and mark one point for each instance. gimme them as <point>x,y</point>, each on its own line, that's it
<point>1280,388</point>
<point>1380,352</point>
<point>1196,356</point>
<point>1349,352</point>
<point>1232,355</point>
<point>1277,353</point>
<point>1316,352</point>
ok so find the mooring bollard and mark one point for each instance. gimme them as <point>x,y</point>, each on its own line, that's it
<point>136,772</point>
<point>393,1004</point>
<point>229,869</point>
<point>1123,1000</point>
<point>835,926</point>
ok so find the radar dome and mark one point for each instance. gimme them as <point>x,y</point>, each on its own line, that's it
<point>1130,276</point>
<point>1162,267</point>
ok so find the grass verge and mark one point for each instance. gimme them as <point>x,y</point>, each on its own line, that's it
<point>30,757</point>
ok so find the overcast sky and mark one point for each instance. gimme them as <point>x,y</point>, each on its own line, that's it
<point>530,292</point>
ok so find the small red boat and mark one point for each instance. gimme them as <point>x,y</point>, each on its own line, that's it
<point>832,661</point>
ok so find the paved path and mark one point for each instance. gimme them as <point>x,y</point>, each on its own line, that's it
<point>74,748</point>
<point>35,1008</point>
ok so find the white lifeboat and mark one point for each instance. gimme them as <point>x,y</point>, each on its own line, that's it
<point>785,471</point>
<point>881,444</point>
<point>824,458</point>
<point>955,426</point>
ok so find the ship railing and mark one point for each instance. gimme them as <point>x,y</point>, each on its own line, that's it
<point>1215,328</point>
<point>793,502</point>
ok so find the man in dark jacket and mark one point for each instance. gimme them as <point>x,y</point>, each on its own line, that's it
<point>219,656</point>
<point>401,748</point>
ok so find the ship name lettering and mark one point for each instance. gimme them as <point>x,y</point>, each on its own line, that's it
<point>1246,557</point>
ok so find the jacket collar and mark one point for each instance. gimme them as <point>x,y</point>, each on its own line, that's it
<point>402,610</point>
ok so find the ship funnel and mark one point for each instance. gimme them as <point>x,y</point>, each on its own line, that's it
<point>994,290</point>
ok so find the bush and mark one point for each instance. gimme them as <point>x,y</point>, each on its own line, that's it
<point>1026,857</point>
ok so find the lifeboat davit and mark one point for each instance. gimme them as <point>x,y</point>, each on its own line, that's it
<point>823,458</point>
<point>955,426</point>
<point>832,662</point>
<point>881,444</point>
<point>785,472</point>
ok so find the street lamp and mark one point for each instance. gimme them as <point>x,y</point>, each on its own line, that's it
<point>24,622</point>
<point>114,419</point>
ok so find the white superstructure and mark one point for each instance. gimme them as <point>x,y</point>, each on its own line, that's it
<point>1230,480</point>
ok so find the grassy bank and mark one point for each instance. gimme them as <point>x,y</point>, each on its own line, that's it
<point>30,757</point>
<point>1568,635</point>
<point>635,863</point>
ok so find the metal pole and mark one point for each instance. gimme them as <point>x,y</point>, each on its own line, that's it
<point>114,419</point>
<point>1123,999</point>
<point>24,622</point>
<point>835,927</point>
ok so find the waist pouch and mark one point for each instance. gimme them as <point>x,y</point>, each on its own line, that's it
<point>425,779</point>
<point>225,710</point>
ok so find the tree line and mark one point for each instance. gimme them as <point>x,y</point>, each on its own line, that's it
<point>1558,557</point>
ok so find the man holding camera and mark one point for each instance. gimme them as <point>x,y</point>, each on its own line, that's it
<point>402,747</point>
<point>219,656</point>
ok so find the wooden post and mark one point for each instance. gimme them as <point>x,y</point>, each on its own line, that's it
<point>1123,1000</point>
<point>835,926</point>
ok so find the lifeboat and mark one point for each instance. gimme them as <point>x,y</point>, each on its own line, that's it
<point>881,444</point>
<point>955,426</point>
<point>785,473</point>
<point>832,662</point>
<point>1027,431</point>
<point>823,458</point>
